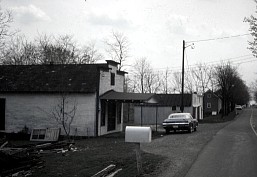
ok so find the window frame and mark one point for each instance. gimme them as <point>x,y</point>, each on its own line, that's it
<point>112,79</point>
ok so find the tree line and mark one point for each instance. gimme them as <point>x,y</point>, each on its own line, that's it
<point>223,79</point>
<point>46,49</point>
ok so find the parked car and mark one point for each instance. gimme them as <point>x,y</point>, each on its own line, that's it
<point>180,121</point>
<point>238,107</point>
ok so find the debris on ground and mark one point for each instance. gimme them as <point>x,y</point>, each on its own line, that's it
<point>23,160</point>
<point>109,171</point>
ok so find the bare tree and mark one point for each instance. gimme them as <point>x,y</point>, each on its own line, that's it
<point>13,52</point>
<point>226,77</point>
<point>153,81</point>
<point>47,49</point>
<point>19,51</point>
<point>64,50</point>
<point>213,81</point>
<point>202,77</point>
<point>44,43</point>
<point>145,80</point>
<point>59,50</point>
<point>190,84</point>
<point>141,66</point>
<point>165,81</point>
<point>177,82</point>
<point>118,48</point>
<point>42,50</point>
<point>64,113</point>
<point>30,54</point>
<point>88,54</point>
<point>129,84</point>
<point>5,21</point>
<point>252,20</point>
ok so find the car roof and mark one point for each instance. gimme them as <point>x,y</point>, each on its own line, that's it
<point>174,114</point>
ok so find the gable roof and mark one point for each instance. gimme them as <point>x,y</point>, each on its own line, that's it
<point>174,99</point>
<point>128,97</point>
<point>50,78</point>
<point>211,92</point>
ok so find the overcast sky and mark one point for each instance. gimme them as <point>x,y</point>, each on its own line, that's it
<point>154,28</point>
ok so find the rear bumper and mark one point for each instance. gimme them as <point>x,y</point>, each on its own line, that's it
<point>173,126</point>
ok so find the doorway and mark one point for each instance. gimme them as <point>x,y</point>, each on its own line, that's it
<point>111,116</point>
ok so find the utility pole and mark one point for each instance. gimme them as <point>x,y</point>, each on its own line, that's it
<point>183,72</point>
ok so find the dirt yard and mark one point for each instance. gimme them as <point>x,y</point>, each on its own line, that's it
<point>167,155</point>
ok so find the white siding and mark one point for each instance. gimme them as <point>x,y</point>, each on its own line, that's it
<point>104,86</point>
<point>105,81</point>
<point>32,111</point>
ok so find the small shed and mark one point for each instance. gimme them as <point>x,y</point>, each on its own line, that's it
<point>150,114</point>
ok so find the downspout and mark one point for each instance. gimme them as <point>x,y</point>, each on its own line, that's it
<point>97,102</point>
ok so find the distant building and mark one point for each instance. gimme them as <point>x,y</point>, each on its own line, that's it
<point>168,103</point>
<point>212,103</point>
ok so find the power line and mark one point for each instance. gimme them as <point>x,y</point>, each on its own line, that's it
<point>219,38</point>
<point>236,61</point>
<point>253,60</point>
<point>242,57</point>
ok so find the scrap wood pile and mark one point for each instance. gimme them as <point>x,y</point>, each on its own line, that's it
<point>109,171</point>
<point>22,160</point>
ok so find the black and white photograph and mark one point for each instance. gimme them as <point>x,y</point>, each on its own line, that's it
<point>128,88</point>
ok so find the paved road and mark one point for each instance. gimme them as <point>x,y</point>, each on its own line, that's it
<point>180,149</point>
<point>231,153</point>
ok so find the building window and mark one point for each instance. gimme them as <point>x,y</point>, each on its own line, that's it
<point>208,105</point>
<point>174,108</point>
<point>209,96</point>
<point>112,78</point>
<point>102,113</point>
<point>38,134</point>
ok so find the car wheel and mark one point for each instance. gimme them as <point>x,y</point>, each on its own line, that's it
<point>190,130</point>
<point>167,131</point>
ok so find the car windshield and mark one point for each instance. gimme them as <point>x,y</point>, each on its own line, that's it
<point>177,116</point>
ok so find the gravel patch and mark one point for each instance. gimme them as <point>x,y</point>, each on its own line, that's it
<point>181,149</point>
